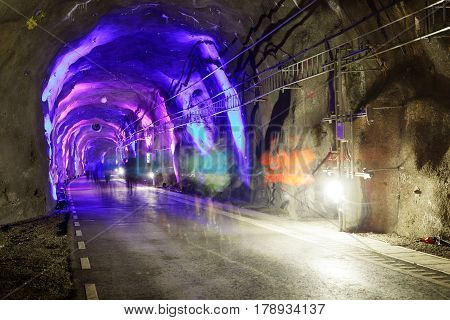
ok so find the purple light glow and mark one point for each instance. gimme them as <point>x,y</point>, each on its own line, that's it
<point>97,37</point>
<point>118,76</point>
<point>74,135</point>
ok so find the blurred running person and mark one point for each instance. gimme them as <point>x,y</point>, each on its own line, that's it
<point>131,174</point>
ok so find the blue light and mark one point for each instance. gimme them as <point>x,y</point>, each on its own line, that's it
<point>201,137</point>
<point>52,187</point>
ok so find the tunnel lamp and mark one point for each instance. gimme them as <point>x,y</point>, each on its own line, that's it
<point>97,127</point>
<point>151,175</point>
<point>104,100</point>
<point>334,190</point>
<point>121,171</point>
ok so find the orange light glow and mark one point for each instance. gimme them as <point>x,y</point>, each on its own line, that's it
<point>290,168</point>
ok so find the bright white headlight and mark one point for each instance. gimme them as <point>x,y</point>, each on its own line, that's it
<point>121,171</point>
<point>151,175</point>
<point>334,190</point>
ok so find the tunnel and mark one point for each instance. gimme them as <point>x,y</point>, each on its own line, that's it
<point>332,115</point>
<point>161,70</point>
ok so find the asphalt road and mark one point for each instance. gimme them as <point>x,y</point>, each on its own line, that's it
<point>152,246</point>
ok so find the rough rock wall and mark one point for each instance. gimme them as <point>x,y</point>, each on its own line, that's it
<point>404,141</point>
<point>23,158</point>
<point>408,143</point>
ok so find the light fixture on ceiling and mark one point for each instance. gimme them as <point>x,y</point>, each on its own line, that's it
<point>96,127</point>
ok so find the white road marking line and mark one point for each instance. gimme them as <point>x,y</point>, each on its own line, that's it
<point>76,224</point>
<point>439,277</point>
<point>78,233</point>
<point>75,217</point>
<point>91,291</point>
<point>74,211</point>
<point>81,245</point>
<point>85,263</point>
<point>427,274</point>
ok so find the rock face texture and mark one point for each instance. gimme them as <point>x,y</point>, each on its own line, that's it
<point>402,142</point>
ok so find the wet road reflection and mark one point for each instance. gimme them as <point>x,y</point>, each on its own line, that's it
<point>150,245</point>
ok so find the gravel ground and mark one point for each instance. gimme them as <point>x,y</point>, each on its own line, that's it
<point>396,240</point>
<point>41,249</point>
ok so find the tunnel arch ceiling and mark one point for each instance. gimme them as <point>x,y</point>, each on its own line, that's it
<point>135,71</point>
